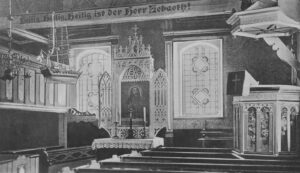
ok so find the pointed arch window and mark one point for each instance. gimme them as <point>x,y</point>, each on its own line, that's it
<point>92,65</point>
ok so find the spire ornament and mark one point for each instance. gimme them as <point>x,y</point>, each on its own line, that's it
<point>134,49</point>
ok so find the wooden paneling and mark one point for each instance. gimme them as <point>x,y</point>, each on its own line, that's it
<point>25,129</point>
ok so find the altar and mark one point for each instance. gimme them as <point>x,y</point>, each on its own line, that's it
<point>267,121</point>
<point>107,147</point>
<point>133,144</point>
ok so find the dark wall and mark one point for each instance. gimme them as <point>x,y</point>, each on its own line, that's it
<point>26,129</point>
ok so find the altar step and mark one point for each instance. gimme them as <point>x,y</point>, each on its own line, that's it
<point>208,160</point>
<point>128,170</point>
<point>229,167</point>
<point>203,154</point>
<point>191,149</point>
<point>192,160</point>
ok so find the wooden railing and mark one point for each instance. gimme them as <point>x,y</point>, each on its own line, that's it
<point>70,155</point>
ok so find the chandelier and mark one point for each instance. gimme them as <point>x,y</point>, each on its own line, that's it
<point>55,70</point>
<point>11,62</point>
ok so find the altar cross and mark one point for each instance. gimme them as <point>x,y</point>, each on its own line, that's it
<point>135,28</point>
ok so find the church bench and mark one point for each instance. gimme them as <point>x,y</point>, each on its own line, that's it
<point>199,166</point>
<point>187,154</point>
<point>207,160</point>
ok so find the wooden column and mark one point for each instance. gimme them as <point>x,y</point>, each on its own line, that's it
<point>169,71</point>
<point>47,88</point>
<point>37,88</point>
<point>2,86</point>
<point>27,88</point>
<point>62,130</point>
<point>15,89</point>
<point>55,94</point>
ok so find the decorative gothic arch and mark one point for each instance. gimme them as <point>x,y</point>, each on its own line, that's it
<point>159,101</point>
<point>132,74</point>
<point>105,100</point>
<point>93,63</point>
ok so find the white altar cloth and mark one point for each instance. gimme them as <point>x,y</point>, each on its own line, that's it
<point>127,143</point>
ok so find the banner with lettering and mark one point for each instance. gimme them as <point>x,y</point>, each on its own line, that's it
<point>120,14</point>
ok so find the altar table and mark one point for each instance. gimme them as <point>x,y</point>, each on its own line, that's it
<point>137,144</point>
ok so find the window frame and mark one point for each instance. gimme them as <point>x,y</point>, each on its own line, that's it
<point>177,68</point>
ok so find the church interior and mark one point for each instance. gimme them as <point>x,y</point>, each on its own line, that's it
<point>168,86</point>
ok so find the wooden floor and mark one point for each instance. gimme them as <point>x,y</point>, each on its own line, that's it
<point>192,160</point>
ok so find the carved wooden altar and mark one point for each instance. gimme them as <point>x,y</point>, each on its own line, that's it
<point>134,70</point>
<point>266,121</point>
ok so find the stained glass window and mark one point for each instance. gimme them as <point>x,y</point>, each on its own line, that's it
<point>92,66</point>
<point>198,78</point>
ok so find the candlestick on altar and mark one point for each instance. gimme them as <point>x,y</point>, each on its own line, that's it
<point>130,131</point>
<point>119,119</point>
<point>116,130</point>
<point>144,130</point>
<point>144,111</point>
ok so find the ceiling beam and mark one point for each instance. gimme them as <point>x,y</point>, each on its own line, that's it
<point>18,42</point>
<point>30,35</point>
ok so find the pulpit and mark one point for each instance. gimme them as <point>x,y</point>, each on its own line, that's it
<point>266,121</point>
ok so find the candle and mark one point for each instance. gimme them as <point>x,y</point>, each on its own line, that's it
<point>117,118</point>
<point>130,114</point>
<point>144,110</point>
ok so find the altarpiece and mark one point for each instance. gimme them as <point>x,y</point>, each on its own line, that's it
<point>136,91</point>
